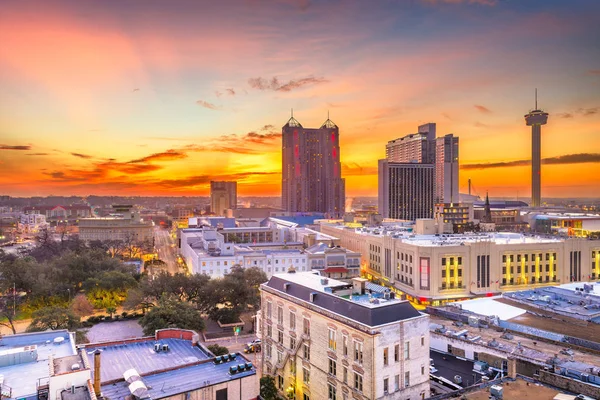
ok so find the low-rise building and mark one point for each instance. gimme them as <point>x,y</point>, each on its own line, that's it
<point>432,269</point>
<point>169,365</point>
<point>334,261</point>
<point>32,222</point>
<point>124,224</point>
<point>328,339</point>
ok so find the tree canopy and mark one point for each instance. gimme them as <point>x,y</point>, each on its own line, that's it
<point>171,313</point>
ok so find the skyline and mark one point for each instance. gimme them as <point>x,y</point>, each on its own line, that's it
<point>160,99</point>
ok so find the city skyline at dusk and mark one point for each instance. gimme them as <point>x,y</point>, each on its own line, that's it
<point>160,98</point>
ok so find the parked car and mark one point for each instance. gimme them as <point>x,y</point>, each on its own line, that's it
<point>252,348</point>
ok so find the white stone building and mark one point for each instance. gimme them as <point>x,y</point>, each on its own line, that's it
<point>327,339</point>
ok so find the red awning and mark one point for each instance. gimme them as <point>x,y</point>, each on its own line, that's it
<point>331,270</point>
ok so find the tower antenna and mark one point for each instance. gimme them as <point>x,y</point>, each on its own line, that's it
<point>292,113</point>
<point>327,114</point>
<point>536,98</point>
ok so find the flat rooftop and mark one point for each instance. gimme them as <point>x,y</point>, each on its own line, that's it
<point>517,390</point>
<point>140,354</point>
<point>181,380</point>
<point>498,238</point>
<point>23,378</point>
<point>371,308</point>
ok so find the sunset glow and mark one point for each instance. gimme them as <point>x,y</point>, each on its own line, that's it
<point>161,97</point>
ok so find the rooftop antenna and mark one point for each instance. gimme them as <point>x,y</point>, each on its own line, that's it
<point>293,110</point>
<point>327,114</point>
<point>536,98</point>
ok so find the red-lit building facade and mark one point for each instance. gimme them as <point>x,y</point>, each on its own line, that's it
<point>311,169</point>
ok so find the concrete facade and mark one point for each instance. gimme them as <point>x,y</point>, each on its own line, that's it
<point>433,269</point>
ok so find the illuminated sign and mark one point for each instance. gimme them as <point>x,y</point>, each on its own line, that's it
<point>424,272</point>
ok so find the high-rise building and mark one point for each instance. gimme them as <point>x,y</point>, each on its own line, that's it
<point>429,170</point>
<point>327,339</point>
<point>446,169</point>
<point>405,190</point>
<point>311,170</point>
<point>536,119</point>
<point>414,148</point>
<point>223,196</point>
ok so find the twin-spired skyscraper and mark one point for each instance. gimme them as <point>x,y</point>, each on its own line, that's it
<point>311,173</point>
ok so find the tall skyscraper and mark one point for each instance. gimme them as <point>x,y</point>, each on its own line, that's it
<point>416,147</point>
<point>311,172</point>
<point>223,196</point>
<point>405,190</point>
<point>428,169</point>
<point>536,119</point>
<point>446,169</point>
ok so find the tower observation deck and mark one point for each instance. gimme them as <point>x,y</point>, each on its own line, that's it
<point>536,119</point>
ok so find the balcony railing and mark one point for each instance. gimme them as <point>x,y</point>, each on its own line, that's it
<point>452,287</point>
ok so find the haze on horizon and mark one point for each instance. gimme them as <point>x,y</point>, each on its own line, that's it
<point>160,98</point>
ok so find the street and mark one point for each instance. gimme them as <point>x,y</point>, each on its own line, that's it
<point>166,249</point>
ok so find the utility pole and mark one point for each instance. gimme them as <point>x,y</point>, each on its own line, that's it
<point>14,299</point>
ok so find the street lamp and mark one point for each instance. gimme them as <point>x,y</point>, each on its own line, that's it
<point>290,392</point>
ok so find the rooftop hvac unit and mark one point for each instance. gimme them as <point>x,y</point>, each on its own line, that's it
<point>496,391</point>
<point>131,375</point>
<point>157,347</point>
<point>139,390</point>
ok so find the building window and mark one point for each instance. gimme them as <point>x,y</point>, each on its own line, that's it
<point>279,356</point>
<point>345,373</point>
<point>332,343</point>
<point>407,379</point>
<point>385,356</point>
<point>358,352</point>
<point>386,388</point>
<point>280,337</point>
<point>345,344</point>
<point>332,391</point>
<point>422,370</point>
<point>358,382</point>
<point>306,326</point>
<point>397,353</point>
<point>280,315</point>
<point>293,368</point>
<point>406,350</point>
<point>280,382</point>
<point>306,352</point>
<point>332,367</point>
<point>305,375</point>
<point>397,382</point>
<point>305,397</point>
<point>292,343</point>
<point>269,349</point>
<point>269,309</point>
<point>292,321</point>
<point>422,341</point>
<point>269,331</point>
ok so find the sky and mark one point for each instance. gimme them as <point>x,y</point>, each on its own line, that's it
<point>160,97</point>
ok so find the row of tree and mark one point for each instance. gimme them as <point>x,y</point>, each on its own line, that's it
<point>61,281</point>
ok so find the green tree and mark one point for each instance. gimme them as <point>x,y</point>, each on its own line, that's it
<point>81,306</point>
<point>137,300</point>
<point>53,318</point>
<point>111,311</point>
<point>268,390</point>
<point>218,350</point>
<point>8,307</point>
<point>171,313</point>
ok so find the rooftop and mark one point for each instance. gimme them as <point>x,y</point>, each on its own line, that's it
<point>181,380</point>
<point>498,238</point>
<point>139,354</point>
<point>23,377</point>
<point>371,307</point>
<point>517,390</point>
